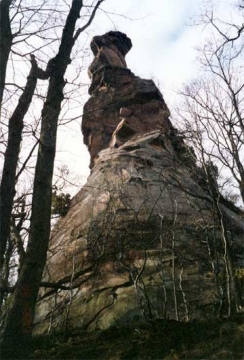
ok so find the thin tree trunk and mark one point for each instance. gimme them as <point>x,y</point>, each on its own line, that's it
<point>4,290</point>
<point>5,42</point>
<point>7,190</point>
<point>18,327</point>
<point>173,264</point>
<point>233,298</point>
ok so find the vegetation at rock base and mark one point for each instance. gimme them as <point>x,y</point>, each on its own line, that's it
<point>158,339</point>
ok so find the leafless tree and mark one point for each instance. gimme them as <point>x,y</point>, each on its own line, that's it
<point>213,116</point>
<point>33,33</point>
<point>18,325</point>
<point>213,105</point>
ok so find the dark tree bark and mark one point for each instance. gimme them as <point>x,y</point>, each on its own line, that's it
<point>6,39</point>
<point>16,339</point>
<point>7,189</point>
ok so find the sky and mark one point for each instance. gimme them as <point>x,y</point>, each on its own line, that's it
<point>164,41</point>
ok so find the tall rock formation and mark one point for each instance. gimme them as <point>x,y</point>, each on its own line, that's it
<point>119,98</point>
<point>143,238</point>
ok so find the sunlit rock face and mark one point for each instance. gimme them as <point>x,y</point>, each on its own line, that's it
<point>140,240</point>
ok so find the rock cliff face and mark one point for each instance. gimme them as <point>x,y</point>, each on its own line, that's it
<point>142,238</point>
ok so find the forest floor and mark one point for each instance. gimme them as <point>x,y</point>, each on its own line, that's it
<point>158,339</point>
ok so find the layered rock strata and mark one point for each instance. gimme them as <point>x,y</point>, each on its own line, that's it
<point>141,239</point>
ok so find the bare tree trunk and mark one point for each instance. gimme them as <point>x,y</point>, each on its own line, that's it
<point>173,263</point>
<point>7,190</point>
<point>233,300</point>
<point>5,275</point>
<point>18,327</point>
<point>186,318</point>
<point>5,42</point>
<point>233,296</point>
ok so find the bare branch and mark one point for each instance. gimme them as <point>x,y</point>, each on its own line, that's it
<point>80,30</point>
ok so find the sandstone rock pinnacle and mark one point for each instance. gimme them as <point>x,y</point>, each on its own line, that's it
<point>142,239</point>
<point>118,97</point>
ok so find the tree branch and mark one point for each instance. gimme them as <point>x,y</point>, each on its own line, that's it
<point>80,30</point>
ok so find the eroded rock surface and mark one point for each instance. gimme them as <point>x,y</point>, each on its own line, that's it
<point>141,239</point>
<point>117,94</point>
